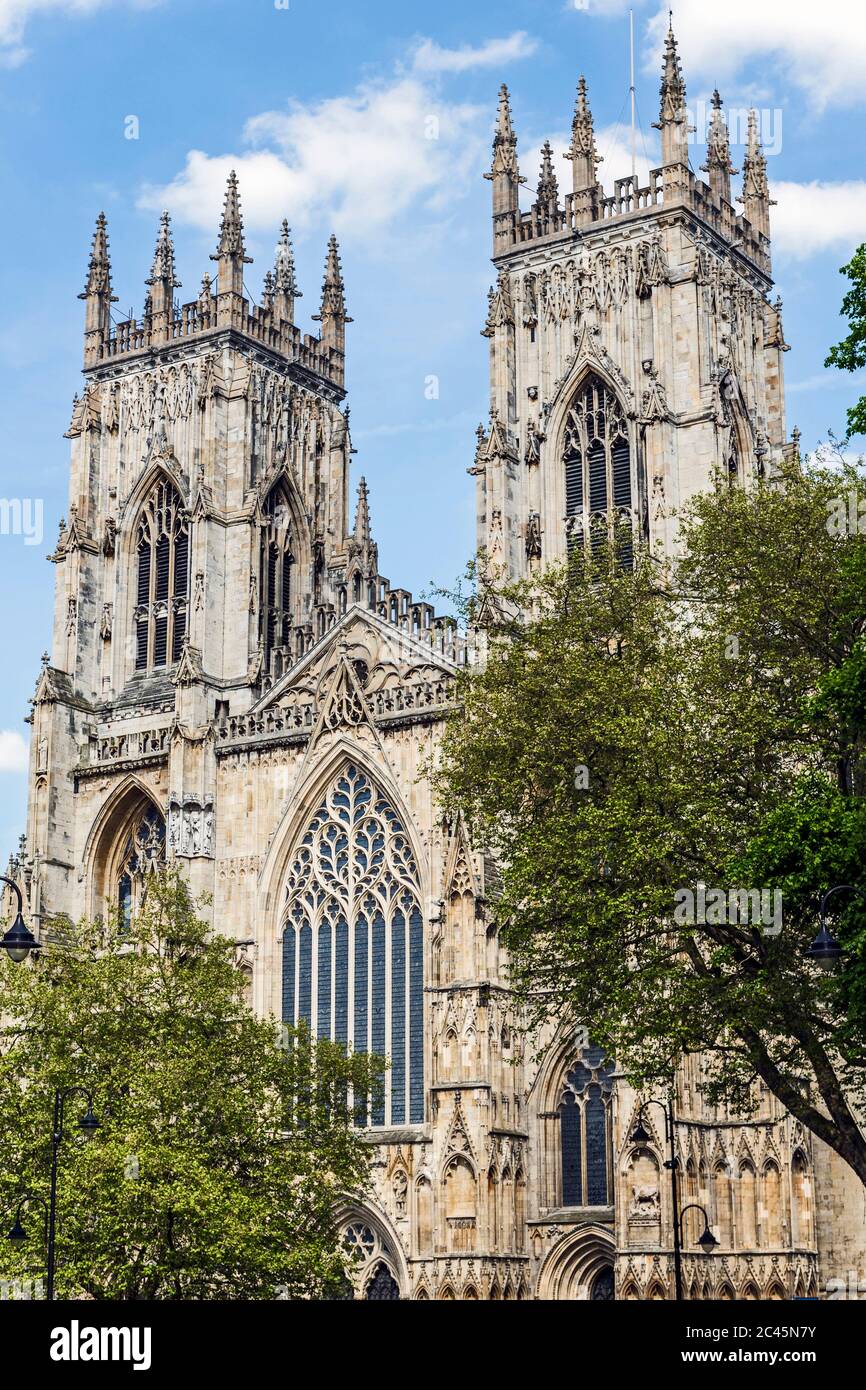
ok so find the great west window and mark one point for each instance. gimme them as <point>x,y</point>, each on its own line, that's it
<point>353,949</point>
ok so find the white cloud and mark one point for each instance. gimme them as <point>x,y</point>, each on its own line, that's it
<point>815,217</point>
<point>602,7</point>
<point>14,15</point>
<point>430,57</point>
<point>614,146</point>
<point>824,381</point>
<point>832,455</point>
<point>820,48</point>
<point>13,751</point>
<point>355,161</point>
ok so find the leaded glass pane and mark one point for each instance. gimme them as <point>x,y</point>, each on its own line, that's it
<point>572,1184</point>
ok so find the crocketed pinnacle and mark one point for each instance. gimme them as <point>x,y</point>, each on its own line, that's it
<point>163,269</point>
<point>231,240</point>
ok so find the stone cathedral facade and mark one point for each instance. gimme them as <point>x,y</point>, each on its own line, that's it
<point>234,685</point>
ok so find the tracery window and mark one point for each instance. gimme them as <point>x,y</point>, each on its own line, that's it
<point>353,962</point>
<point>597,461</point>
<point>162,591</point>
<point>143,854</point>
<point>585,1132</point>
<point>277,558</point>
<point>373,1262</point>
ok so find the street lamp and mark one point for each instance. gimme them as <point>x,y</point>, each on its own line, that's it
<point>18,941</point>
<point>825,950</point>
<point>88,1124</point>
<point>18,1233</point>
<point>707,1240</point>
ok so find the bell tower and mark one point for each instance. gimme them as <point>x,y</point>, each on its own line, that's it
<point>208,535</point>
<point>635,352</point>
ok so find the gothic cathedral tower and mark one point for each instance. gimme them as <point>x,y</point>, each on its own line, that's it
<point>634,349</point>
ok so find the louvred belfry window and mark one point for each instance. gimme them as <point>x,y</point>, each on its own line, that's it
<point>162,594</point>
<point>597,461</point>
<point>277,559</point>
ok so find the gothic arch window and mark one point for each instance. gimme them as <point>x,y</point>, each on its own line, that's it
<point>142,853</point>
<point>277,558</point>
<point>162,582</point>
<point>596,458</point>
<point>353,941</point>
<point>585,1132</point>
<point>372,1261</point>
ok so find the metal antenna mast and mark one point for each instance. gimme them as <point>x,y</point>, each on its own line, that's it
<point>631,91</point>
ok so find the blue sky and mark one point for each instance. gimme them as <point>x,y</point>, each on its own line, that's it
<point>375,121</point>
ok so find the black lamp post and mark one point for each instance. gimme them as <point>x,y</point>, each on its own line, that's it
<point>640,1136</point>
<point>88,1124</point>
<point>825,949</point>
<point>18,941</point>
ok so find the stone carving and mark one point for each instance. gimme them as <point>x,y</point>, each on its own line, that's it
<point>644,1205</point>
<point>400,1186</point>
<point>533,537</point>
<point>191,827</point>
<point>654,404</point>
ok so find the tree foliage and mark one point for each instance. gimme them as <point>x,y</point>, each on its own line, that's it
<point>635,734</point>
<point>850,354</point>
<point>225,1141</point>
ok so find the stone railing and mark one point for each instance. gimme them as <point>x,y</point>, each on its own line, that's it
<point>200,316</point>
<point>674,184</point>
<point>109,749</point>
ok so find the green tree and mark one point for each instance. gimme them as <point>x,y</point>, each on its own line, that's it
<point>636,734</point>
<point>850,354</point>
<point>225,1141</point>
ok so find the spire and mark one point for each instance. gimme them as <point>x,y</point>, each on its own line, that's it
<point>230,255</point>
<point>548,188</point>
<point>163,279</point>
<point>504,172</point>
<point>582,151</point>
<point>333,316</point>
<point>504,139</point>
<point>718,165</point>
<point>285,285</point>
<point>584,159</point>
<point>673,121</point>
<point>97,293</point>
<point>333,289</point>
<point>756,198</point>
<point>362,515</point>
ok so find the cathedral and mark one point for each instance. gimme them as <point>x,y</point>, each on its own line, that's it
<point>234,686</point>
